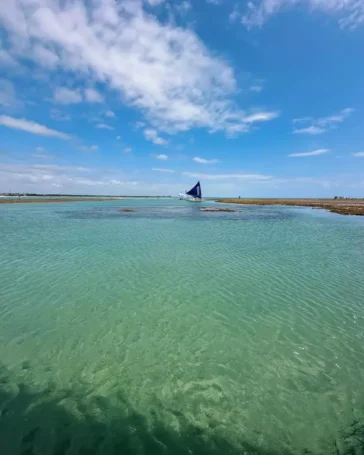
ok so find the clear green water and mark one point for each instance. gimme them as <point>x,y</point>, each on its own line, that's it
<point>172,331</point>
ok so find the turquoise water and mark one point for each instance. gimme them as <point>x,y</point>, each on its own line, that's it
<point>172,331</point>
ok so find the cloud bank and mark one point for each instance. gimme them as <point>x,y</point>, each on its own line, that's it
<point>163,70</point>
<point>350,13</point>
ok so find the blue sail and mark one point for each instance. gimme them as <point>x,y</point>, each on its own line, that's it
<point>195,191</point>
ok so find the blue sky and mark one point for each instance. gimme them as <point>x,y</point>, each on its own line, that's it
<point>136,97</point>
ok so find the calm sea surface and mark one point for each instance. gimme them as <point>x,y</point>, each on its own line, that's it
<point>172,331</point>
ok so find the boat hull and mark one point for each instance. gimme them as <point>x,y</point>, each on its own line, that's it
<point>193,200</point>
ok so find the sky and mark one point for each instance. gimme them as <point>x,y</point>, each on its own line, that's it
<point>260,98</point>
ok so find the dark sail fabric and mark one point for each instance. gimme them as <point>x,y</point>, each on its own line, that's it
<point>195,191</point>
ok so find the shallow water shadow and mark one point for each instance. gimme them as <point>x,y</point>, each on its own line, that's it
<point>174,212</point>
<point>39,423</point>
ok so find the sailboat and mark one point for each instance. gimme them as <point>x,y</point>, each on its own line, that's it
<point>194,195</point>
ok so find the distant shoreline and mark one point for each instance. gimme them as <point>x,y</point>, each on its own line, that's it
<point>49,199</point>
<point>340,206</point>
<point>65,199</point>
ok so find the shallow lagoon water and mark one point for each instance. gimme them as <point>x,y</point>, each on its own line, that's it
<point>170,330</point>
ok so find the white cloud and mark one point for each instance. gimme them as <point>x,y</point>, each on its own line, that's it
<point>302,120</point>
<point>93,96</point>
<point>103,126</point>
<point>43,178</point>
<point>204,161</point>
<point>154,2</point>
<point>64,95</point>
<point>350,13</point>
<point>109,114</point>
<point>152,136</point>
<point>7,93</point>
<point>128,150</point>
<point>183,7</point>
<point>235,14</point>
<point>49,168</point>
<point>313,153</point>
<point>167,73</point>
<point>44,155</point>
<point>30,177</point>
<point>227,176</point>
<point>323,124</point>
<point>118,138</point>
<point>214,2</point>
<point>336,118</point>
<point>361,154</point>
<point>59,116</point>
<point>160,169</point>
<point>310,130</point>
<point>57,167</point>
<point>260,117</point>
<point>89,182</point>
<point>139,125</point>
<point>30,127</point>
<point>6,59</point>
<point>48,58</point>
<point>256,88</point>
<point>88,148</point>
<point>40,149</point>
<point>162,157</point>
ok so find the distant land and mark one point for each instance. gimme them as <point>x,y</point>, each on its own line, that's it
<point>75,195</point>
<point>343,206</point>
<point>340,205</point>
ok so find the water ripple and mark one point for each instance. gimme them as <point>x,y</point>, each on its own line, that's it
<point>247,324</point>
